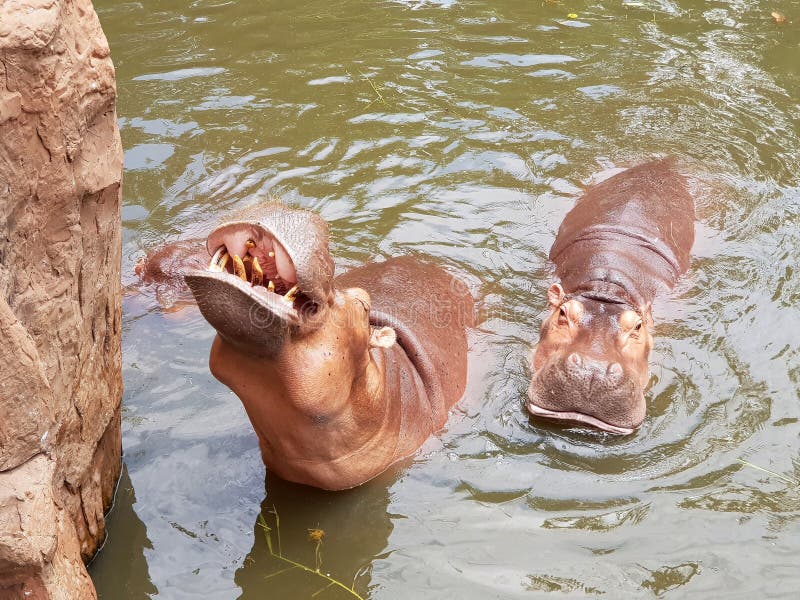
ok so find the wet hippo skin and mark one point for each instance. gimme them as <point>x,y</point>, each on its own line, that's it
<point>162,271</point>
<point>626,240</point>
<point>340,377</point>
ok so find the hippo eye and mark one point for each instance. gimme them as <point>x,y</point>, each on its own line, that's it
<point>638,326</point>
<point>562,315</point>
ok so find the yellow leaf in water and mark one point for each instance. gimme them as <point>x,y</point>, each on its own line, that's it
<point>779,18</point>
<point>316,535</point>
<point>572,16</point>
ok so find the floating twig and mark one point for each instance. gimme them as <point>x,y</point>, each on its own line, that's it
<point>773,473</point>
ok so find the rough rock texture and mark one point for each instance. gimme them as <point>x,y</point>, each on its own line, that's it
<point>60,366</point>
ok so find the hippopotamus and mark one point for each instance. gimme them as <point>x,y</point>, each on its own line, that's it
<point>626,240</point>
<point>341,377</point>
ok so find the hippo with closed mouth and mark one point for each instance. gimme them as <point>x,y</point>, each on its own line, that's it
<point>340,377</point>
<point>626,240</point>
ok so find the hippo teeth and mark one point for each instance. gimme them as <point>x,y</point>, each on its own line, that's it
<point>249,269</point>
<point>238,268</point>
<point>290,295</point>
<point>257,272</point>
<point>219,260</point>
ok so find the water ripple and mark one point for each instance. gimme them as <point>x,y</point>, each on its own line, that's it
<point>465,131</point>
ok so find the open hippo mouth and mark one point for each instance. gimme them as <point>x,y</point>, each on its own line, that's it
<point>614,405</point>
<point>265,276</point>
<point>256,263</point>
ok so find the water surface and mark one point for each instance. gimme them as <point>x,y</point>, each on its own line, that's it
<point>465,131</point>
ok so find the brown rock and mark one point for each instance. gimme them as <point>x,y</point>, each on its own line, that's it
<point>60,366</point>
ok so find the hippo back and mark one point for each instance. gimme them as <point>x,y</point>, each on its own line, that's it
<point>429,310</point>
<point>634,230</point>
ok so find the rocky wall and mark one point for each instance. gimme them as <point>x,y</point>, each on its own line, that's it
<point>60,364</point>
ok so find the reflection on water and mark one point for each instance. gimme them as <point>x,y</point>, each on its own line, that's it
<point>465,131</point>
<point>123,552</point>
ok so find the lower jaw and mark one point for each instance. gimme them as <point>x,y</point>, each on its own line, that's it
<point>577,418</point>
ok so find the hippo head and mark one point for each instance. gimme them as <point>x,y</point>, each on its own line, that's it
<point>590,365</point>
<point>270,273</point>
<point>270,280</point>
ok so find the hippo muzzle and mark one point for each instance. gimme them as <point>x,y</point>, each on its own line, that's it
<point>270,273</point>
<point>587,391</point>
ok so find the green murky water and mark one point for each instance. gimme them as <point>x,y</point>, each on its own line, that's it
<point>465,130</point>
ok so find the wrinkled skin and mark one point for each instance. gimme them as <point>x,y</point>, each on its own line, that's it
<point>627,239</point>
<point>341,377</point>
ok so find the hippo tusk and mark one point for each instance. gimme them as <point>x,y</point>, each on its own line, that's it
<point>249,244</point>
<point>216,256</point>
<point>238,268</point>
<point>271,286</point>
<point>219,260</point>
<point>289,296</point>
<point>258,274</point>
<point>271,254</point>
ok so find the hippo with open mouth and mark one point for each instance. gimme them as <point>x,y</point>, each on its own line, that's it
<point>340,377</point>
<point>627,239</point>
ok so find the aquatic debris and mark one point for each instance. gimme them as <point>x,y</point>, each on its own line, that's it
<point>314,535</point>
<point>378,96</point>
<point>784,478</point>
<point>779,18</point>
<point>572,16</point>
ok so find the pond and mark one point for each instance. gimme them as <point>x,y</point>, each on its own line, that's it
<point>465,130</point>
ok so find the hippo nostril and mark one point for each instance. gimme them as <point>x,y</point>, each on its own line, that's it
<point>575,359</point>
<point>615,369</point>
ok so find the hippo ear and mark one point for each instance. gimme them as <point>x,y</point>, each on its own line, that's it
<point>555,295</point>
<point>382,337</point>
